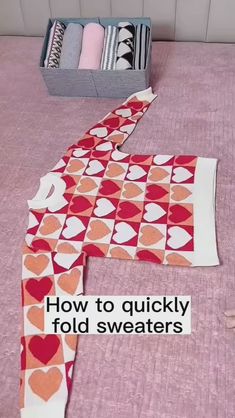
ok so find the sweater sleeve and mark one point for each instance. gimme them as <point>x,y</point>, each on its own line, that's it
<point>114,128</point>
<point>47,360</point>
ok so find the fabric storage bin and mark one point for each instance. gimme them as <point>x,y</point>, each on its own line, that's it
<point>95,83</point>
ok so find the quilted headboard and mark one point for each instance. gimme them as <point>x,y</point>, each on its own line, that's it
<point>181,20</point>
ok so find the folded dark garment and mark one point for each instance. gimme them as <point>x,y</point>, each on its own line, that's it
<point>141,46</point>
<point>125,50</point>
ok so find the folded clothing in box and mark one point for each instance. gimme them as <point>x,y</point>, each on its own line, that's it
<point>97,57</point>
<point>121,47</point>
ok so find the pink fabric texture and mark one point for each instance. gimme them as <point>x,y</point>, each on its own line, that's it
<point>127,376</point>
<point>92,46</point>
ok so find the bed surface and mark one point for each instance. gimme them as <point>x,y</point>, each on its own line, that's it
<point>127,376</point>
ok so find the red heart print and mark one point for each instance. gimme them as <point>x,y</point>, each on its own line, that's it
<point>127,122</point>
<point>112,122</point>
<point>87,143</point>
<point>91,249</point>
<point>136,105</point>
<point>79,204</point>
<point>184,159</point>
<point>68,367</point>
<point>44,349</point>
<point>179,214</point>
<point>99,154</point>
<point>108,187</point>
<point>23,354</point>
<point>155,192</point>
<point>39,288</point>
<point>41,244</point>
<point>146,255</point>
<point>127,210</point>
<point>69,181</point>
<point>139,158</point>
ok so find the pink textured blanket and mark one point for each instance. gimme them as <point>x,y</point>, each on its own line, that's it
<point>127,376</point>
<point>92,46</point>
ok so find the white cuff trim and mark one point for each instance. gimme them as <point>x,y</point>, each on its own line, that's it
<point>146,94</point>
<point>205,246</point>
<point>49,410</point>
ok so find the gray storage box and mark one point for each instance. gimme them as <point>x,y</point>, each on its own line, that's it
<point>95,83</point>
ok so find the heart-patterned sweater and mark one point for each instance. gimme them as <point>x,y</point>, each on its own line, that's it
<point>105,203</point>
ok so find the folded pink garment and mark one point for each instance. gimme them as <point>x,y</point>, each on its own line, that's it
<point>92,46</point>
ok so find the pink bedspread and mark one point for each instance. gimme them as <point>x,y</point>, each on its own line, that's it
<point>127,376</point>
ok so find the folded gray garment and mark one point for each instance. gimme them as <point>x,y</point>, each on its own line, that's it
<point>71,47</point>
<point>141,46</point>
<point>109,54</point>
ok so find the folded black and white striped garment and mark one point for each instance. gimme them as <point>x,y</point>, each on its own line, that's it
<point>109,54</point>
<point>142,34</point>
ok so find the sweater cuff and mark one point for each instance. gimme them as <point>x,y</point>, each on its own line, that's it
<point>146,94</point>
<point>49,410</point>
